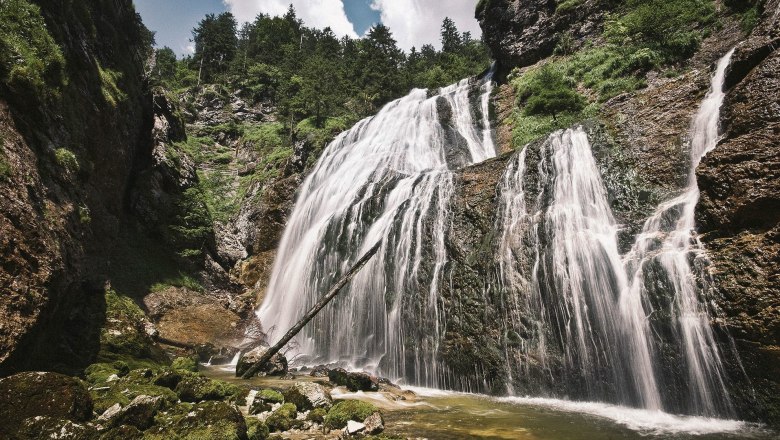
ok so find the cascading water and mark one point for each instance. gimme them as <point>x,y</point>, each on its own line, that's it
<point>579,320</point>
<point>587,326</point>
<point>390,177</point>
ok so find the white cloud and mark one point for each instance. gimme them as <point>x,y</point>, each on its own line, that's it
<point>418,22</point>
<point>314,13</point>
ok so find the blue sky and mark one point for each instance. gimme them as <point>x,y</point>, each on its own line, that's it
<point>413,22</point>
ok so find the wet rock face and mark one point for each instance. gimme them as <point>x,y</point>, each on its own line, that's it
<point>25,396</point>
<point>522,32</point>
<point>307,396</point>
<point>739,216</point>
<point>277,366</point>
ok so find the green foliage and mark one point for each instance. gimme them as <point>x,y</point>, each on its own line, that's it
<point>264,136</point>
<point>347,410</point>
<point>215,44</point>
<point>85,215</point>
<point>185,364</point>
<point>192,225</point>
<point>547,91</point>
<point>565,6</point>
<point>672,28</point>
<point>31,63</point>
<point>109,86</point>
<point>66,159</point>
<point>179,280</point>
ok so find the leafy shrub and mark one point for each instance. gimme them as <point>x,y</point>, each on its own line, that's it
<point>31,63</point>
<point>66,159</point>
<point>547,91</point>
<point>673,28</point>
<point>109,86</point>
<point>264,136</point>
<point>565,6</point>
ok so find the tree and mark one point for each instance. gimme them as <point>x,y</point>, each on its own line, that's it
<point>381,60</point>
<point>215,44</point>
<point>451,41</point>
<point>165,65</point>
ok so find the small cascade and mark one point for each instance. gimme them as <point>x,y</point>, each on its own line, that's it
<point>595,325</point>
<point>390,177</point>
<point>667,259</point>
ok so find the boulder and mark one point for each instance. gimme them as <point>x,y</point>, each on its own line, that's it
<point>41,427</point>
<point>139,413</point>
<point>375,424</point>
<point>198,388</point>
<point>319,371</point>
<point>307,396</point>
<point>354,427</point>
<point>55,396</point>
<point>277,366</point>
<point>205,420</point>
<point>354,381</point>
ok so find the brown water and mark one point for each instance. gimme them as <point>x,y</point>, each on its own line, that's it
<point>454,416</point>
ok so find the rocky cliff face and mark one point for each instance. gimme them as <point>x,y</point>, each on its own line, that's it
<point>522,32</point>
<point>739,212</point>
<point>69,149</point>
<point>643,136</point>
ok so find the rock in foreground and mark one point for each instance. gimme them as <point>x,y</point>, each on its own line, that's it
<point>277,366</point>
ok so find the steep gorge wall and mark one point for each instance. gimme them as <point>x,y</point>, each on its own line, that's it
<point>70,146</point>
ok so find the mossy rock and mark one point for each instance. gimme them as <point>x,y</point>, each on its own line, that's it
<point>123,432</point>
<point>347,410</point>
<point>256,430</point>
<point>185,364</point>
<point>193,388</point>
<point>283,419</point>
<point>42,427</point>
<point>123,393</point>
<point>317,415</point>
<point>201,421</point>
<point>270,396</point>
<point>28,395</point>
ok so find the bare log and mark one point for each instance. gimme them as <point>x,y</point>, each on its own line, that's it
<point>314,310</point>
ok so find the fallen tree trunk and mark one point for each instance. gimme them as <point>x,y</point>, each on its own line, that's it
<point>314,310</point>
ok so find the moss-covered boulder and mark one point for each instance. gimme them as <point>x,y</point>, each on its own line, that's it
<point>317,415</point>
<point>283,419</point>
<point>307,396</point>
<point>42,427</point>
<point>193,388</point>
<point>185,364</point>
<point>205,420</point>
<point>28,395</point>
<point>139,412</point>
<point>123,390</point>
<point>347,410</point>
<point>270,396</point>
<point>123,432</point>
<point>256,430</point>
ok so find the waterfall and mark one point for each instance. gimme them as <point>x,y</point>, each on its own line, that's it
<point>668,253</point>
<point>390,177</point>
<point>578,319</point>
<point>595,325</point>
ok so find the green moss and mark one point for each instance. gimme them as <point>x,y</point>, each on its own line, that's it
<point>283,419</point>
<point>185,364</point>
<point>123,337</point>
<point>566,6</point>
<point>31,63</point>
<point>66,159</point>
<point>5,168</point>
<point>270,396</point>
<point>317,415</point>
<point>180,280</point>
<point>196,388</point>
<point>347,410</point>
<point>264,136</point>
<point>256,430</point>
